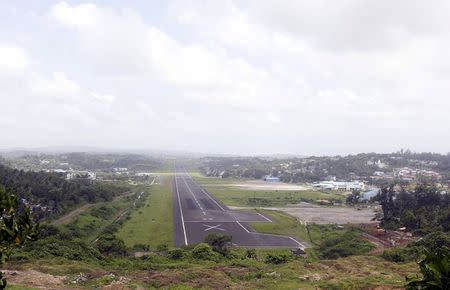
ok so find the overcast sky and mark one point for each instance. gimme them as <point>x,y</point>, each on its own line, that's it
<point>245,77</point>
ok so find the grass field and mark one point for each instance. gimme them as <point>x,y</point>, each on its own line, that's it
<point>152,223</point>
<point>281,224</point>
<point>233,196</point>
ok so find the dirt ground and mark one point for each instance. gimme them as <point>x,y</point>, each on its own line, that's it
<point>385,239</point>
<point>309,213</point>
<point>263,185</point>
<point>34,279</point>
<point>331,215</point>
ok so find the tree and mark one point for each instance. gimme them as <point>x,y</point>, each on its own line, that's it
<point>16,226</point>
<point>435,268</point>
<point>354,197</point>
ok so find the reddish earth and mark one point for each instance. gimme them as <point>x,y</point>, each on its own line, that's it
<point>385,239</point>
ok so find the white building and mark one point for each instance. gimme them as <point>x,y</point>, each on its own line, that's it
<point>340,185</point>
<point>81,175</point>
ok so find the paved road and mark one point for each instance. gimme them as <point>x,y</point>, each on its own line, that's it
<point>197,213</point>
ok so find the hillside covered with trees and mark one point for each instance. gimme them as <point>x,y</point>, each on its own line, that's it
<point>51,193</point>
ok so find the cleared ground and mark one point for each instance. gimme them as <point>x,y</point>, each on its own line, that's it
<point>327,215</point>
<point>263,185</point>
<point>152,223</point>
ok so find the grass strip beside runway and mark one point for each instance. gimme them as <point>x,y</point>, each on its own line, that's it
<point>152,223</point>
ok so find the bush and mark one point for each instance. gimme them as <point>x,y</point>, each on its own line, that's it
<point>110,245</point>
<point>398,255</point>
<point>176,254</point>
<point>141,247</point>
<point>344,245</point>
<point>250,254</point>
<point>162,248</point>
<point>203,252</point>
<point>437,242</point>
<point>103,212</point>
<point>54,246</point>
<point>219,243</point>
<point>278,258</point>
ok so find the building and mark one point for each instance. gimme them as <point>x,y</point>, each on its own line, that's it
<point>340,185</point>
<point>270,178</point>
<point>86,175</point>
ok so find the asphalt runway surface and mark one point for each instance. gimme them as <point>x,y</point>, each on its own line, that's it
<point>197,213</point>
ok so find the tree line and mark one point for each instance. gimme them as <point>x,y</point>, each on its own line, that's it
<point>53,190</point>
<point>423,210</point>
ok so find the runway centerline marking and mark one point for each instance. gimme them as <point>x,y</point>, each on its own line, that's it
<point>181,212</point>
<point>209,227</point>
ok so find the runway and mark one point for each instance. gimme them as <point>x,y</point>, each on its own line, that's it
<point>197,213</point>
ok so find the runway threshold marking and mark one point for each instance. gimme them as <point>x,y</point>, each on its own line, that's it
<point>195,198</point>
<point>181,212</point>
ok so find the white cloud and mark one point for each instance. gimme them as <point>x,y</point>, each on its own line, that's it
<point>236,76</point>
<point>83,16</point>
<point>12,58</point>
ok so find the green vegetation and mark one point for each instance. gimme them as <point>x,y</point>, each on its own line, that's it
<point>344,245</point>
<point>16,227</point>
<point>435,269</point>
<point>90,224</point>
<point>54,192</point>
<point>330,242</point>
<point>434,242</point>
<point>151,224</point>
<point>282,224</point>
<point>424,210</point>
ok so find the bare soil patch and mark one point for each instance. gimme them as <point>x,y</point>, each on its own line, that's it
<point>262,185</point>
<point>35,279</point>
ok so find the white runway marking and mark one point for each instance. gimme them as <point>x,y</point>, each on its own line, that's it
<point>266,218</point>
<point>181,212</point>
<point>209,227</point>
<point>301,246</point>
<point>242,226</point>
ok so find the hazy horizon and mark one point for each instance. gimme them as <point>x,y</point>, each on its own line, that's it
<point>229,77</point>
<point>155,151</point>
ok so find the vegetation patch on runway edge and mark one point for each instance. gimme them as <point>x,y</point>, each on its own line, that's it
<point>151,225</point>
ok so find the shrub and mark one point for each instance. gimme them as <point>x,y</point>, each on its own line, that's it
<point>344,245</point>
<point>162,248</point>
<point>398,255</point>
<point>250,254</point>
<point>437,242</point>
<point>110,245</point>
<point>203,252</point>
<point>103,212</point>
<point>219,243</point>
<point>141,247</point>
<point>278,258</point>
<point>54,246</point>
<point>176,254</point>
